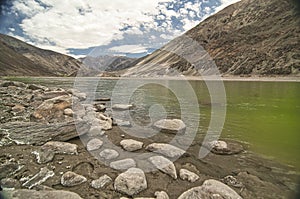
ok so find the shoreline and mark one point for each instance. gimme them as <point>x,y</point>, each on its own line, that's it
<point>189,78</point>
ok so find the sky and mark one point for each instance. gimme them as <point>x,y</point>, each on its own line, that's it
<point>78,28</point>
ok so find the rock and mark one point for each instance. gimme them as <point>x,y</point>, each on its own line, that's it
<point>10,183</point>
<point>122,107</point>
<point>39,133</point>
<point>131,145</point>
<point>81,96</point>
<point>100,107</point>
<point>118,122</point>
<point>131,182</point>
<point>198,193</point>
<point>232,181</point>
<point>18,108</point>
<point>53,94</point>
<point>39,178</point>
<point>60,147</point>
<point>33,194</point>
<point>101,182</point>
<point>109,154</point>
<point>70,179</point>
<point>174,126</point>
<point>52,109</point>
<point>123,164</point>
<point>161,195</point>
<point>166,150</point>
<point>94,144</point>
<point>105,122</point>
<point>164,165</point>
<point>188,175</point>
<point>217,187</point>
<point>11,83</point>
<point>8,168</point>
<point>102,99</point>
<point>44,156</point>
<point>96,131</point>
<point>69,112</point>
<point>223,148</point>
<point>37,87</point>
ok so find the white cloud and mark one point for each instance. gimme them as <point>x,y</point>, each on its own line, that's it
<point>129,49</point>
<point>82,24</point>
<point>60,25</point>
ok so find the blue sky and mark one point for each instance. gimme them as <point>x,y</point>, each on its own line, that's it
<point>99,27</point>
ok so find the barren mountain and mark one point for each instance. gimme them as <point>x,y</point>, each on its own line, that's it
<point>251,37</point>
<point>19,58</point>
<point>108,63</point>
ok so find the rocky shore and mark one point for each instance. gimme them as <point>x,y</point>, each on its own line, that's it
<point>54,146</point>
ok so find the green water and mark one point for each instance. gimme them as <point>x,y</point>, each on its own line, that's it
<point>263,114</point>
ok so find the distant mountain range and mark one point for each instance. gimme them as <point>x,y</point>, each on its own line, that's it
<point>251,37</point>
<point>18,58</point>
<point>108,63</point>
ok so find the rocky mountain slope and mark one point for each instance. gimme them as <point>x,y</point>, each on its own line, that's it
<point>108,63</point>
<point>251,37</point>
<point>19,58</point>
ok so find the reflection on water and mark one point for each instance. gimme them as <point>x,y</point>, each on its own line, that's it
<point>263,114</point>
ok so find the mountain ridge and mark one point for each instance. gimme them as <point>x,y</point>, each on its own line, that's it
<point>250,37</point>
<point>19,58</point>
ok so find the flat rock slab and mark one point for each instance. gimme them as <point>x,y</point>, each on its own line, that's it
<point>103,181</point>
<point>164,165</point>
<point>173,126</point>
<point>37,133</point>
<point>39,178</point>
<point>123,164</point>
<point>33,194</point>
<point>131,145</point>
<point>131,182</point>
<point>94,144</point>
<point>60,147</point>
<point>70,179</point>
<point>166,150</point>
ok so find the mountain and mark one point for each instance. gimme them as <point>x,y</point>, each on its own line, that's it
<point>18,58</point>
<point>250,37</point>
<point>108,63</point>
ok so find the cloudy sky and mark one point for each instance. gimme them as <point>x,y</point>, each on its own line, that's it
<point>97,27</point>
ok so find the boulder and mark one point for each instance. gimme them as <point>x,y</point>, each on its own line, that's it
<point>70,179</point>
<point>174,126</point>
<point>217,187</point>
<point>60,147</point>
<point>52,110</point>
<point>44,156</point>
<point>223,148</point>
<point>131,145</point>
<point>164,165</point>
<point>109,154</point>
<point>161,195</point>
<point>33,194</point>
<point>131,182</point>
<point>185,174</point>
<point>96,131</point>
<point>166,150</point>
<point>94,144</point>
<point>69,112</point>
<point>123,164</point>
<point>105,122</point>
<point>101,182</point>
